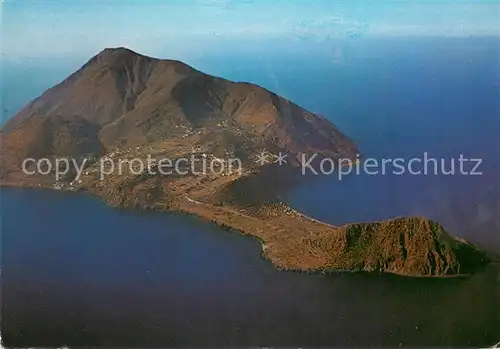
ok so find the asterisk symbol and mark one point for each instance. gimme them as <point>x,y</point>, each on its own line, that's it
<point>262,158</point>
<point>281,159</point>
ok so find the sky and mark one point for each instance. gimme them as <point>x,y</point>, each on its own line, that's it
<point>83,28</point>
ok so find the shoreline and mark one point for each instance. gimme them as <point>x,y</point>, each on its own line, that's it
<point>266,247</point>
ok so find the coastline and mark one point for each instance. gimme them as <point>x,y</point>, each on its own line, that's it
<point>236,222</point>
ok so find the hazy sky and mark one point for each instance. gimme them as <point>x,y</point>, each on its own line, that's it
<point>58,28</point>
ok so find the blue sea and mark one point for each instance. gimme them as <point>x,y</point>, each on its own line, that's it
<point>76,272</point>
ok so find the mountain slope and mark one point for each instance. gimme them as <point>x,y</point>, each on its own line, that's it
<point>134,99</point>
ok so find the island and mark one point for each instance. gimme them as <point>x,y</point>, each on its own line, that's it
<point>122,110</point>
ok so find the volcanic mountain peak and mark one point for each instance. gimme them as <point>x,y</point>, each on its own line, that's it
<point>118,51</point>
<point>133,99</point>
<point>117,54</point>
